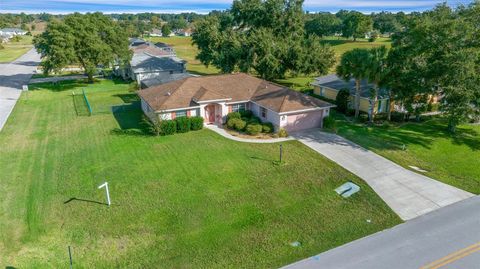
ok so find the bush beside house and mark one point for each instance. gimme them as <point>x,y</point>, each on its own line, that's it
<point>246,121</point>
<point>178,125</point>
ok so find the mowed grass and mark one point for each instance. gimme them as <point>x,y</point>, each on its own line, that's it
<point>452,159</point>
<point>13,50</point>
<point>194,200</point>
<point>187,51</point>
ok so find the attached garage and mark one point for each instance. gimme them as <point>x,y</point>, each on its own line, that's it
<point>306,120</point>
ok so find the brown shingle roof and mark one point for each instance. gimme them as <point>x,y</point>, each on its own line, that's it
<point>238,87</point>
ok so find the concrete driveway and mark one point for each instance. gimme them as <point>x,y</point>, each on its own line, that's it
<point>408,194</point>
<point>12,77</point>
<point>447,238</point>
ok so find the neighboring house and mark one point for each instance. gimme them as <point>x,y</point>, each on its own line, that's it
<point>213,97</point>
<point>12,31</point>
<point>184,32</point>
<point>329,86</point>
<point>146,66</point>
<point>162,79</point>
<point>156,32</point>
<point>4,38</point>
<point>134,42</point>
<point>158,64</point>
<point>165,47</point>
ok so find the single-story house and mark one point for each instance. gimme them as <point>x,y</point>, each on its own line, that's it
<point>329,86</point>
<point>156,32</point>
<point>162,79</point>
<point>213,97</point>
<point>12,31</point>
<point>165,47</point>
<point>184,32</point>
<point>145,66</point>
<point>150,61</point>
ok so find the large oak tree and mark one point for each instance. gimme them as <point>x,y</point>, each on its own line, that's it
<point>91,40</point>
<point>263,37</point>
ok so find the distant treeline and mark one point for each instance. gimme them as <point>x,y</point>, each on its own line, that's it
<point>346,23</point>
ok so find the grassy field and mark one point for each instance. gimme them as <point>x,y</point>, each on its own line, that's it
<point>187,51</point>
<point>194,200</point>
<point>13,50</point>
<point>449,158</point>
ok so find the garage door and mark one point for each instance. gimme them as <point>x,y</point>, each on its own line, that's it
<point>304,121</point>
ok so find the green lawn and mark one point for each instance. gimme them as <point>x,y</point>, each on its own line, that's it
<point>13,50</point>
<point>194,200</point>
<point>185,50</point>
<point>449,158</point>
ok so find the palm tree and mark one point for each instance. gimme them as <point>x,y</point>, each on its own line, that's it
<point>354,64</point>
<point>376,72</point>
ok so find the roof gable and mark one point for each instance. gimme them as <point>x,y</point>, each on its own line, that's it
<point>232,87</point>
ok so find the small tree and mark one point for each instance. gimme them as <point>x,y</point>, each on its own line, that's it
<point>354,64</point>
<point>166,30</point>
<point>342,99</point>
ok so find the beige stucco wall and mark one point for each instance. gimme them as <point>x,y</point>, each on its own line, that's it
<point>327,92</point>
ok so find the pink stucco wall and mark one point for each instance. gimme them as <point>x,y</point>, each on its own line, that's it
<point>303,121</point>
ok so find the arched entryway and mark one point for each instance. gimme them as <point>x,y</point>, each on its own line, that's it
<point>210,113</point>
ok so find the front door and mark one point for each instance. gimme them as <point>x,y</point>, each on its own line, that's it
<point>210,113</point>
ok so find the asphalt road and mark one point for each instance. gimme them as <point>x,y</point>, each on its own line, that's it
<point>446,238</point>
<point>12,77</point>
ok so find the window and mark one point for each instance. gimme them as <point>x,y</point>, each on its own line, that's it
<point>263,112</point>
<point>238,107</point>
<point>181,113</point>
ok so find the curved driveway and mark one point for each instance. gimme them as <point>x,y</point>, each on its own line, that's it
<point>12,77</point>
<point>408,194</point>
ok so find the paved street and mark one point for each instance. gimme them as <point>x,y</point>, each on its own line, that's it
<point>408,194</point>
<point>12,77</point>
<point>447,238</point>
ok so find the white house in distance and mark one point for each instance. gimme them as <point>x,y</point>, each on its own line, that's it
<point>12,32</point>
<point>213,97</point>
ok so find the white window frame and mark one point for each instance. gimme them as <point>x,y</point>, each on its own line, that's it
<point>238,107</point>
<point>180,111</point>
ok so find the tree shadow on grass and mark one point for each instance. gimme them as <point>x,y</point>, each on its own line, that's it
<point>421,134</point>
<point>83,200</point>
<point>128,97</point>
<point>130,120</point>
<point>65,85</point>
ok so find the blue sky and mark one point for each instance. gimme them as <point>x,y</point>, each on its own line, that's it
<point>204,6</point>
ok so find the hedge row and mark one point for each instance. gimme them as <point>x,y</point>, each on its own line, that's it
<point>178,125</point>
<point>246,121</point>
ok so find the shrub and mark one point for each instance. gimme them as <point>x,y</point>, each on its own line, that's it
<point>196,123</point>
<point>282,133</point>
<point>236,124</point>
<point>246,114</point>
<point>267,127</point>
<point>240,125</point>
<point>183,124</point>
<point>342,99</point>
<point>329,123</point>
<point>397,116</point>
<point>233,115</point>
<point>1,47</point>
<point>254,120</point>
<point>254,129</point>
<point>167,127</point>
<point>231,123</point>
